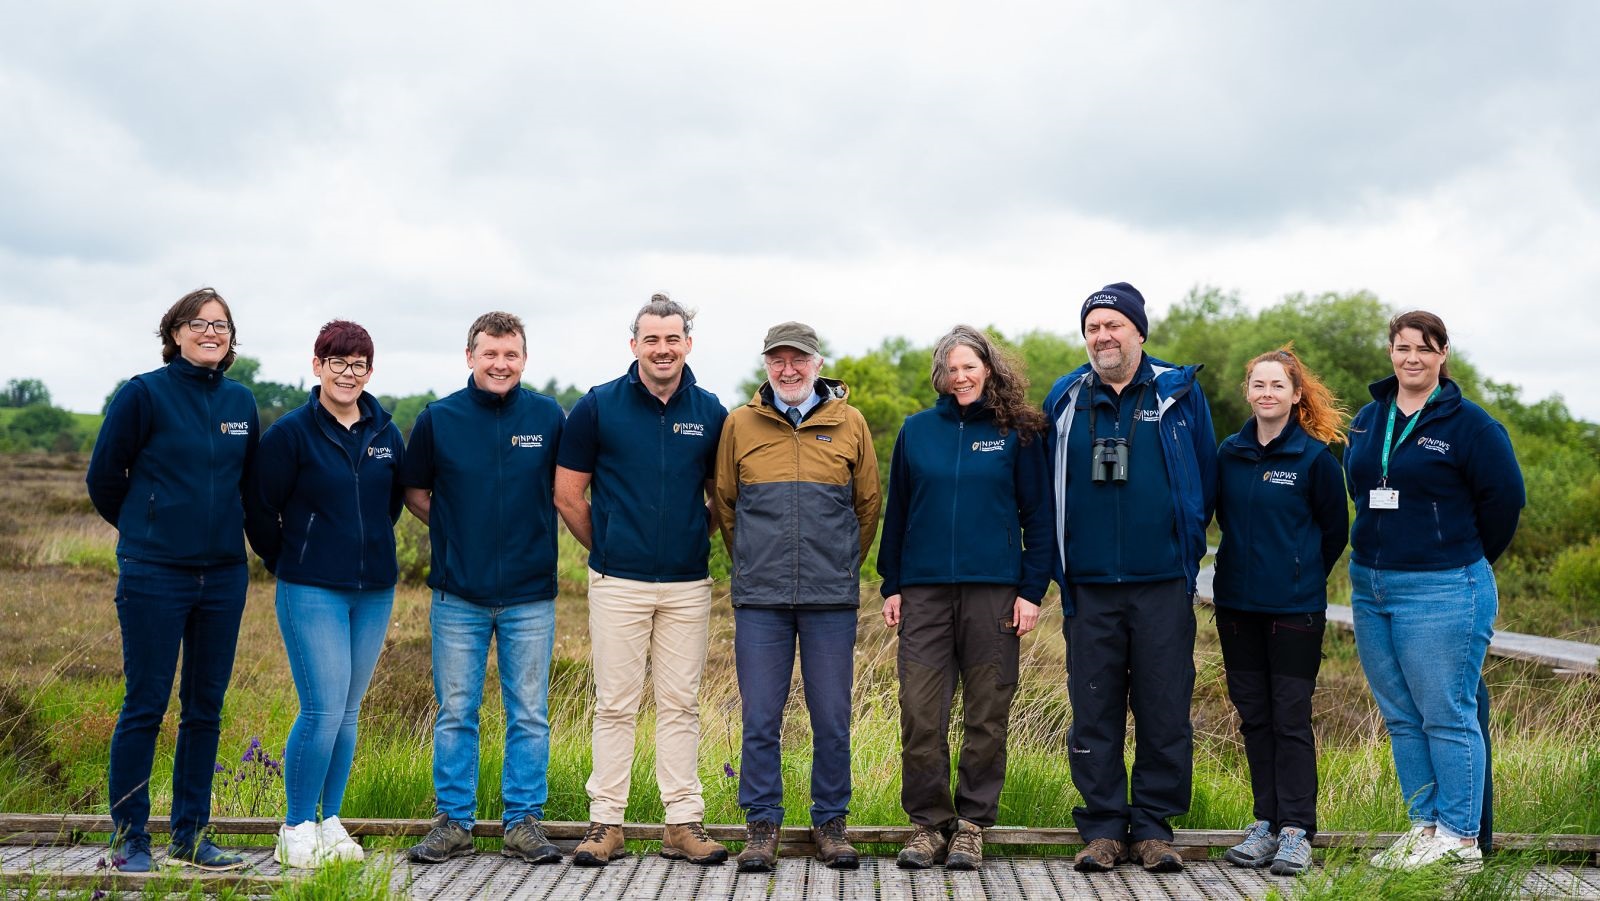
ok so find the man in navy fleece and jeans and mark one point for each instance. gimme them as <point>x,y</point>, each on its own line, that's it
<point>480,471</point>
<point>645,446</point>
<point>1132,453</point>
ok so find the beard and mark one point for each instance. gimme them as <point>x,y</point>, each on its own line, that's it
<point>794,395</point>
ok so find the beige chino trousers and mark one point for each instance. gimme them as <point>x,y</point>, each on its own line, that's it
<point>664,624</point>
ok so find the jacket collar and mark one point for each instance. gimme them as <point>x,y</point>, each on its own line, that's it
<point>490,399</point>
<point>827,390</point>
<point>203,375</point>
<point>1291,442</point>
<point>368,405</point>
<point>950,409</point>
<point>684,383</point>
<point>1384,390</point>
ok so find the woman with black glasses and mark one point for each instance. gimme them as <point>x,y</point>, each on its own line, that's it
<point>168,471</point>
<point>327,472</point>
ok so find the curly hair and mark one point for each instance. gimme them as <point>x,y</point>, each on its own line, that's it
<point>1319,412</point>
<point>1005,389</point>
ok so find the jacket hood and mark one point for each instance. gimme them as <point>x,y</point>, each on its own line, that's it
<point>827,389</point>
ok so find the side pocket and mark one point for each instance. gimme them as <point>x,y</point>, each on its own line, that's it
<point>1008,647</point>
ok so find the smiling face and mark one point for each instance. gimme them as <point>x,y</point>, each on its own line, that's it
<point>792,373</point>
<point>1416,361</point>
<point>1271,393</point>
<point>497,362</point>
<point>205,348</point>
<point>964,374</point>
<point>660,347</point>
<point>342,389</point>
<point>1114,344</point>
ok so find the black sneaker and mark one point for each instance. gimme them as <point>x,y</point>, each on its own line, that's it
<point>444,841</point>
<point>526,839</point>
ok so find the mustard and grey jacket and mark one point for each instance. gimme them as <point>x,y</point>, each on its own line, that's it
<point>798,505</point>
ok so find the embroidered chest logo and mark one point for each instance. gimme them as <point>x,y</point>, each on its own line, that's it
<point>692,429</point>
<point>1434,444</point>
<point>527,441</point>
<point>381,453</point>
<point>234,428</point>
<point>1280,477</point>
<point>827,438</point>
<point>1149,415</point>
<point>986,447</point>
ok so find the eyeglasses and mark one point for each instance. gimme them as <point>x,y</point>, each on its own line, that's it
<point>358,369</point>
<point>798,364</point>
<point>220,326</point>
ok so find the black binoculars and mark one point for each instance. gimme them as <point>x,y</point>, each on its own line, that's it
<point>1108,461</point>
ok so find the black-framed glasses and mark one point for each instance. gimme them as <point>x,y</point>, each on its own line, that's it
<point>220,326</point>
<point>358,368</point>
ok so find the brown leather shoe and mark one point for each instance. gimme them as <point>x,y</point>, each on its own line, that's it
<point>689,841</point>
<point>925,849</point>
<point>1100,856</point>
<point>966,847</point>
<point>1157,856</point>
<point>602,843</point>
<point>760,847</point>
<point>833,845</point>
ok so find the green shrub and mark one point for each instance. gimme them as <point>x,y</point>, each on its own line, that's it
<point>1576,574</point>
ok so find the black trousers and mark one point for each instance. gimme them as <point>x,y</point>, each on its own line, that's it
<point>1131,645</point>
<point>1272,662</point>
<point>950,634</point>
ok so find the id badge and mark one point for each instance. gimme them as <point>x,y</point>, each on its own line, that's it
<point>1384,499</point>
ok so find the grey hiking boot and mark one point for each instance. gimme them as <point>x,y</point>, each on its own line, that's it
<point>1257,848</point>
<point>526,839</point>
<point>1294,852</point>
<point>444,841</point>
<point>924,850</point>
<point>966,847</point>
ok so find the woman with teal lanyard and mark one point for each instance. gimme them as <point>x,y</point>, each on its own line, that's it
<point>1438,492</point>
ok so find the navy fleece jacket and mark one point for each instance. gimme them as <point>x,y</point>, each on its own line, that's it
<point>490,462</point>
<point>650,462</point>
<point>1460,486</point>
<point>1284,521</point>
<point>335,494</point>
<point>966,504</point>
<point>170,466</point>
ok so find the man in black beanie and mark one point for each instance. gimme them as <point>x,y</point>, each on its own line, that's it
<point>1132,453</point>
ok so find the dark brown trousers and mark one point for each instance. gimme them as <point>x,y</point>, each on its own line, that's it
<point>951,634</point>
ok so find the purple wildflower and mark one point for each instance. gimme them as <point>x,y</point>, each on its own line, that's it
<point>98,894</point>
<point>729,771</point>
<point>220,768</point>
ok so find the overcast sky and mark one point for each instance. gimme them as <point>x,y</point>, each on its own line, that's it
<point>874,169</point>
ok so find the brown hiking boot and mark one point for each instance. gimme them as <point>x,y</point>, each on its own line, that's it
<point>760,847</point>
<point>1157,856</point>
<point>833,845</point>
<point>925,849</point>
<point>966,847</point>
<point>689,841</point>
<point>1100,856</point>
<point>602,843</point>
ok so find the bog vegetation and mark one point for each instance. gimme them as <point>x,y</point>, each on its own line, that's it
<point>60,682</point>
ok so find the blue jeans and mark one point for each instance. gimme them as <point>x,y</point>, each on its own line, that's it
<point>1422,637</point>
<point>525,638</point>
<point>333,638</point>
<point>165,611</point>
<point>763,652</point>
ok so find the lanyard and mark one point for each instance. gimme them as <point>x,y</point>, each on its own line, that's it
<point>1388,434</point>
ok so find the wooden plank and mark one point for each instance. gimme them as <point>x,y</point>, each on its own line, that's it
<point>861,889</point>
<point>615,878</point>
<point>968,886</point>
<point>894,884</point>
<point>715,881</point>
<point>429,880</point>
<point>789,879</point>
<point>752,886</point>
<point>516,878</point>
<point>575,884</point>
<point>823,884</point>
<point>1033,876</point>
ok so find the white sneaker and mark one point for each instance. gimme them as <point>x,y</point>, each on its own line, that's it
<point>1395,856</point>
<point>337,842</point>
<point>1448,852</point>
<point>299,846</point>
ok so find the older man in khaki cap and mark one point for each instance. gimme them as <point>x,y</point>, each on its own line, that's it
<point>797,497</point>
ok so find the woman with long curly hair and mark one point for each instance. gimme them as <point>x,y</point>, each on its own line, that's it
<point>1281,508</point>
<point>965,559</point>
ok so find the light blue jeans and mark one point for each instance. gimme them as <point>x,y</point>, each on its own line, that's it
<point>525,636</point>
<point>1422,637</point>
<point>333,639</point>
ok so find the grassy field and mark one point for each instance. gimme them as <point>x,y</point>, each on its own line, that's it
<point>60,688</point>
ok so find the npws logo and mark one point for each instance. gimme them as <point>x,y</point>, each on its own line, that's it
<point>527,441</point>
<point>381,453</point>
<point>1434,444</point>
<point>984,447</point>
<point>1280,477</point>
<point>1149,415</point>
<point>234,428</point>
<point>692,429</point>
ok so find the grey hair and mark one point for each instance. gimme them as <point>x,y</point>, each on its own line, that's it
<point>664,306</point>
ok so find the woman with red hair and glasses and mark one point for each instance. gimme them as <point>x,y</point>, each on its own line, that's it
<point>1281,508</point>
<point>328,472</point>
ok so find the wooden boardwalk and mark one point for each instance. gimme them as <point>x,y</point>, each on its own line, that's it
<point>489,875</point>
<point>1566,658</point>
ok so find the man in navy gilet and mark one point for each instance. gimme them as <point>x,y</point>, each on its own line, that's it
<point>644,446</point>
<point>1132,453</point>
<point>480,471</point>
